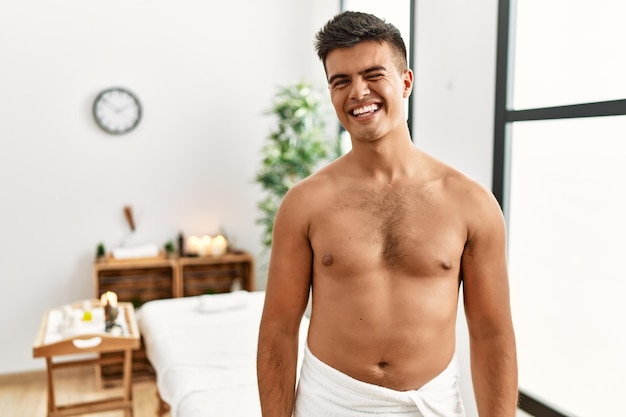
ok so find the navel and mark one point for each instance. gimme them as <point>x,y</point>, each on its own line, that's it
<point>327,260</point>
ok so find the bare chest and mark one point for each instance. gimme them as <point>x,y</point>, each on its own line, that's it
<point>406,230</point>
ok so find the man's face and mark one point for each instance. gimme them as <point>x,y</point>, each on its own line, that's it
<point>368,89</point>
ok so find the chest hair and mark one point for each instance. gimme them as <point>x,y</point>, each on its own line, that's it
<point>393,213</point>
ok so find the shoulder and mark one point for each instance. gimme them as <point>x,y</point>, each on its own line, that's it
<point>475,202</point>
<point>315,186</point>
<point>457,182</point>
<point>308,195</point>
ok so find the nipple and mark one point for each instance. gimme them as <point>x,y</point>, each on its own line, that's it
<point>327,260</point>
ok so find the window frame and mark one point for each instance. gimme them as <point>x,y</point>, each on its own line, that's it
<point>504,118</point>
<point>505,115</point>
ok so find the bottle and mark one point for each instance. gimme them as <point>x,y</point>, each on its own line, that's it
<point>181,244</point>
<point>87,310</point>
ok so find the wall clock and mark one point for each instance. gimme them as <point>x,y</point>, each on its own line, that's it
<point>117,110</point>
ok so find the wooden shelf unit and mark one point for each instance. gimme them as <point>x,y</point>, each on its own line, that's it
<point>208,275</point>
<point>142,280</point>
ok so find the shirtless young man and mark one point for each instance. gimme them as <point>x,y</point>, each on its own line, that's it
<point>383,236</point>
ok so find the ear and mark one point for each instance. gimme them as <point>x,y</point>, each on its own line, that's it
<point>407,79</point>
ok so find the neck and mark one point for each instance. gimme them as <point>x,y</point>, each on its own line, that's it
<point>386,159</point>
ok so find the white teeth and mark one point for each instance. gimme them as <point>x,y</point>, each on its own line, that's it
<point>367,109</point>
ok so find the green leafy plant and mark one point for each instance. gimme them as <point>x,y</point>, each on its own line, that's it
<point>293,150</point>
<point>100,251</point>
<point>169,247</point>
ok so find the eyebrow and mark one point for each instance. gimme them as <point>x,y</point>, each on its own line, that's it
<point>365,71</point>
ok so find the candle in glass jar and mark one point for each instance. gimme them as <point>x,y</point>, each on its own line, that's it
<point>204,246</point>
<point>192,245</point>
<point>218,245</point>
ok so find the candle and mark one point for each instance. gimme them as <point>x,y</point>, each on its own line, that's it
<point>112,298</point>
<point>218,245</point>
<point>192,245</point>
<point>109,302</point>
<point>205,245</point>
<point>109,298</point>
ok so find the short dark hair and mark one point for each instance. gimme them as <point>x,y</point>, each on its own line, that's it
<point>349,28</point>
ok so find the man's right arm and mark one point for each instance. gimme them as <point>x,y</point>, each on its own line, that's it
<point>286,298</point>
<point>276,370</point>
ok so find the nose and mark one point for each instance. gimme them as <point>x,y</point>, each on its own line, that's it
<point>359,89</point>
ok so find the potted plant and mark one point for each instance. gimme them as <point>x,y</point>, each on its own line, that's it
<point>293,150</point>
<point>100,252</point>
<point>170,248</point>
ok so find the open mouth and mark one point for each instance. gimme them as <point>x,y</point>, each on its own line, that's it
<point>365,110</point>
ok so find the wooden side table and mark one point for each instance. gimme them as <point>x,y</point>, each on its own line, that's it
<point>52,340</point>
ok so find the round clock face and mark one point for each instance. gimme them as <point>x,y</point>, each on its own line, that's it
<point>117,110</point>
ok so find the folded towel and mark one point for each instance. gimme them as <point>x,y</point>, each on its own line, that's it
<point>219,302</point>
<point>149,250</point>
<point>325,391</point>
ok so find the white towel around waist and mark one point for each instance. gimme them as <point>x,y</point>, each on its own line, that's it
<point>325,391</point>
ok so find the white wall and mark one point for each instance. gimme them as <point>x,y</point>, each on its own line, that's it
<point>205,74</point>
<point>455,71</point>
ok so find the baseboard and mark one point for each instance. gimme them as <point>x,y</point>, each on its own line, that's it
<point>25,376</point>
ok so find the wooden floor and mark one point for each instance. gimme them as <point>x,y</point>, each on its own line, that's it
<point>26,394</point>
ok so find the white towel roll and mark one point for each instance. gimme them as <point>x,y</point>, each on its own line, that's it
<point>149,250</point>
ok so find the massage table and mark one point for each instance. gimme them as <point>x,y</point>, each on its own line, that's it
<point>203,350</point>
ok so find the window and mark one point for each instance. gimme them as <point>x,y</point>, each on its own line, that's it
<point>560,175</point>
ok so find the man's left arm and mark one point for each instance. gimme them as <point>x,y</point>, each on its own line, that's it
<point>488,312</point>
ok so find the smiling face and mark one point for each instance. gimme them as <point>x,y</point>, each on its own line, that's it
<point>367,88</point>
